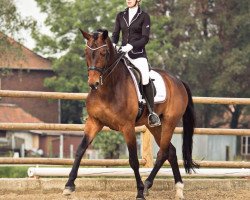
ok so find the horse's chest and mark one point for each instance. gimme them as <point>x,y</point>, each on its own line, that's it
<point>102,112</point>
<point>111,113</point>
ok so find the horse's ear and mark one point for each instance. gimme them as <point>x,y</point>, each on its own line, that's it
<point>105,34</point>
<point>85,34</point>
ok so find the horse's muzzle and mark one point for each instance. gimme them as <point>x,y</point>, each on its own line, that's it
<point>94,86</point>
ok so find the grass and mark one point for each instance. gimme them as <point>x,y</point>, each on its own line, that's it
<point>13,171</point>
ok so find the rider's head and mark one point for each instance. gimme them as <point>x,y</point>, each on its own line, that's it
<point>132,3</point>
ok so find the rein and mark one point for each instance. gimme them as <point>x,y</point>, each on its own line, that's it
<point>113,66</point>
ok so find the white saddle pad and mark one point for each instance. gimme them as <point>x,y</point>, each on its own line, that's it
<point>161,93</point>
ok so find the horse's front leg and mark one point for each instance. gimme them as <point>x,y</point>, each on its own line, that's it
<point>92,127</point>
<point>129,135</point>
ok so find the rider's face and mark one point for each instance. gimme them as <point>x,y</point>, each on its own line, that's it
<point>131,3</point>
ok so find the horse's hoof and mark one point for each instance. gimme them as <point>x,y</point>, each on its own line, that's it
<point>179,198</point>
<point>147,186</point>
<point>179,191</point>
<point>68,190</point>
<point>140,196</point>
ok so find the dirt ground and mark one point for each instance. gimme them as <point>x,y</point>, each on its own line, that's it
<point>154,195</point>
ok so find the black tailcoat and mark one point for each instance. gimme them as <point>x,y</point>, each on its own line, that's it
<point>136,34</point>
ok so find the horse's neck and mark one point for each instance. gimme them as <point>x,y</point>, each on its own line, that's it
<point>116,82</point>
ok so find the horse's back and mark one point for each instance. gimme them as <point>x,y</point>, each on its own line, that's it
<point>177,98</point>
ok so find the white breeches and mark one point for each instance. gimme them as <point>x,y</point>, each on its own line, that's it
<point>142,65</point>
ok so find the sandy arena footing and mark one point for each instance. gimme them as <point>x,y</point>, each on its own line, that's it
<point>123,189</point>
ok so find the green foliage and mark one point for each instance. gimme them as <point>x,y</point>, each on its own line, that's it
<point>65,19</point>
<point>208,47</point>
<point>13,172</point>
<point>10,20</point>
<point>10,23</point>
<point>204,42</point>
<point>109,144</point>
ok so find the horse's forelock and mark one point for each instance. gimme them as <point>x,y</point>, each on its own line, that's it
<point>104,33</point>
<point>95,35</point>
<point>104,36</point>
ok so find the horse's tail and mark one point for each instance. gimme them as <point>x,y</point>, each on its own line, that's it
<point>188,131</point>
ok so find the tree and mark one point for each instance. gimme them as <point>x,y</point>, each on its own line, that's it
<point>10,24</point>
<point>203,42</point>
<point>109,143</point>
<point>208,48</point>
<point>65,19</point>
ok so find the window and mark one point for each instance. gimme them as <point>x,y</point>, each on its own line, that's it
<point>245,145</point>
<point>2,134</point>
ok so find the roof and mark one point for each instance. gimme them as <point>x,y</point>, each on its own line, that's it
<point>28,59</point>
<point>13,113</point>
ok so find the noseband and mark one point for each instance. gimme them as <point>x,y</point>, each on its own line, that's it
<point>104,70</point>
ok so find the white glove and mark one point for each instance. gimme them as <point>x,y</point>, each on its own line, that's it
<point>127,48</point>
<point>116,46</point>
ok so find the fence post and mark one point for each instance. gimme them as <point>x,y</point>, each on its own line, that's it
<point>61,146</point>
<point>71,150</point>
<point>147,148</point>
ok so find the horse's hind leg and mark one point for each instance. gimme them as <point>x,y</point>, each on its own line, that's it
<point>172,158</point>
<point>162,137</point>
<point>169,154</point>
<point>91,128</point>
<point>130,139</point>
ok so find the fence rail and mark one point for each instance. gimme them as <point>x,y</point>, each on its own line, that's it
<point>82,96</point>
<point>147,157</point>
<point>61,161</point>
<point>43,95</point>
<point>115,162</point>
<point>80,127</point>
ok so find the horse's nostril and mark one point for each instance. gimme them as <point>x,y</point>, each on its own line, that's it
<point>94,86</point>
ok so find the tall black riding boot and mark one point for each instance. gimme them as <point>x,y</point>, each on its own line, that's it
<point>153,118</point>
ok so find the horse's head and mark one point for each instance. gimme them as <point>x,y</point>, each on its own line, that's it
<point>97,53</point>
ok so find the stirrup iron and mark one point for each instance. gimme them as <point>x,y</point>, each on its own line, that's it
<point>155,122</point>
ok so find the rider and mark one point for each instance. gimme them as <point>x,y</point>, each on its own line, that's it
<point>135,26</point>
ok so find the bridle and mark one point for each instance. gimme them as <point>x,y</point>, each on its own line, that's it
<point>94,68</point>
<point>104,70</point>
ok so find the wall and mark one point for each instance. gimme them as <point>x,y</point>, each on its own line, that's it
<point>23,80</point>
<point>51,145</point>
<point>205,147</point>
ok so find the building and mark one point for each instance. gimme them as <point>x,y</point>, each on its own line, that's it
<point>216,147</point>
<point>17,141</point>
<point>27,73</point>
<point>24,70</point>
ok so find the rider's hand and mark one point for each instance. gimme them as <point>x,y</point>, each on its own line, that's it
<point>116,46</point>
<point>127,48</point>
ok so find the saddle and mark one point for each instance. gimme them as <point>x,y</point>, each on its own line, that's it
<point>156,80</point>
<point>138,77</point>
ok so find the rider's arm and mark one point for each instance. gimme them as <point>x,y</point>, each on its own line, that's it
<point>116,32</point>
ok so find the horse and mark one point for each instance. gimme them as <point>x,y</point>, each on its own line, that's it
<point>112,102</point>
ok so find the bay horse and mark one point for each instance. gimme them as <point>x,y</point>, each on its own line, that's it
<point>112,102</point>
